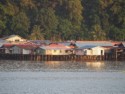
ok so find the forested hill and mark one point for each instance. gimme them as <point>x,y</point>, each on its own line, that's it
<point>63,19</point>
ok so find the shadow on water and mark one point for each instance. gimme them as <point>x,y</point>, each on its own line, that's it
<point>10,65</point>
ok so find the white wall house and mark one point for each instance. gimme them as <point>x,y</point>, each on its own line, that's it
<point>14,39</point>
<point>23,49</point>
<point>87,52</point>
<point>7,51</point>
<point>54,49</point>
<point>94,51</point>
<point>98,50</point>
<point>6,48</point>
<point>19,50</point>
<point>2,42</point>
<point>90,50</point>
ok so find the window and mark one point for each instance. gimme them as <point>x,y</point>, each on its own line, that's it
<point>17,40</point>
<point>66,51</point>
<point>10,41</point>
<point>54,51</point>
<point>10,51</point>
<point>101,52</point>
<point>60,51</point>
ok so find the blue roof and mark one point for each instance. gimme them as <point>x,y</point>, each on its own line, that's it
<point>87,47</point>
<point>2,42</point>
<point>40,41</point>
<point>65,43</point>
<point>93,43</point>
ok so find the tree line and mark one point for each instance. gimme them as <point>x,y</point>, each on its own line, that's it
<point>63,19</point>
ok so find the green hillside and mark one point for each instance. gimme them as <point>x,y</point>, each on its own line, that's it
<point>63,19</point>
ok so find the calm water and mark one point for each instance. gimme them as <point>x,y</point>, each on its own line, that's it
<point>62,77</point>
<point>6,65</point>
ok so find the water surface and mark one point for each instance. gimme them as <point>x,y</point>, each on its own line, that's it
<point>6,65</point>
<point>62,77</point>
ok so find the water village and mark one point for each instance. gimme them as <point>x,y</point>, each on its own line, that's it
<point>14,47</point>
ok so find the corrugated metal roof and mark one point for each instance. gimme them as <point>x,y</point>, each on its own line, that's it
<point>7,45</point>
<point>1,45</point>
<point>11,36</point>
<point>87,47</point>
<point>24,46</point>
<point>94,43</point>
<point>65,43</point>
<point>55,47</point>
<point>3,41</point>
<point>41,41</point>
<point>48,48</point>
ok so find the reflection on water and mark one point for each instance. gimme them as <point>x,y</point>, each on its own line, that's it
<point>6,65</point>
<point>95,65</point>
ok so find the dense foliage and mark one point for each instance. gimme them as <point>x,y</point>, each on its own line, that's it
<point>63,19</point>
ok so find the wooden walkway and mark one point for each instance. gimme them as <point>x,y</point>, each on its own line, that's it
<point>57,57</point>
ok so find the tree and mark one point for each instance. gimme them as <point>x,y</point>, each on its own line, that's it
<point>74,11</point>
<point>64,29</point>
<point>91,12</point>
<point>48,21</point>
<point>113,18</point>
<point>118,13</point>
<point>97,33</point>
<point>11,9</point>
<point>36,33</point>
<point>65,19</point>
<point>116,33</point>
<point>8,10</point>
<point>27,3</point>
<point>20,24</point>
<point>85,34</point>
<point>2,26</point>
<point>2,22</point>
